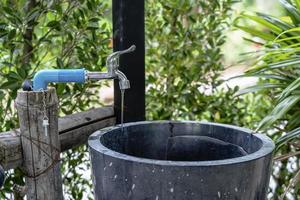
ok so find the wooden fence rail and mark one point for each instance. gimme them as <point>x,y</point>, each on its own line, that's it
<point>73,130</point>
<point>37,145</point>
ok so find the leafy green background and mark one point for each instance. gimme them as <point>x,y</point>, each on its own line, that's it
<point>277,66</point>
<point>53,34</point>
<point>184,62</point>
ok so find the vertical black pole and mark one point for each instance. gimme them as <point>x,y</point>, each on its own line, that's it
<point>129,29</point>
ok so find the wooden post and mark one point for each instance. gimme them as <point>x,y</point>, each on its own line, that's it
<point>40,152</point>
<point>129,29</point>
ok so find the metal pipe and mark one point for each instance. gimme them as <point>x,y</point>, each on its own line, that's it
<point>98,76</point>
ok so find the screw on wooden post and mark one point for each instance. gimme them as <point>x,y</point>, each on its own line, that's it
<point>40,152</point>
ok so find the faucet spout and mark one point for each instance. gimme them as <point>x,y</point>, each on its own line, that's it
<point>124,83</point>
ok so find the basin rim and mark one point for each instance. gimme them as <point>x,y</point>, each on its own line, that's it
<point>267,147</point>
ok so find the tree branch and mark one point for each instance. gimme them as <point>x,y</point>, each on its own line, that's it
<point>27,48</point>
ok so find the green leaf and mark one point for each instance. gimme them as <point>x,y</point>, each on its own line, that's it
<point>33,15</point>
<point>3,34</point>
<point>12,16</point>
<point>275,21</point>
<point>53,24</point>
<point>279,111</point>
<point>288,90</point>
<point>22,73</point>
<point>13,75</point>
<point>12,34</point>
<point>288,137</point>
<point>297,29</point>
<point>94,19</point>
<point>3,25</point>
<point>10,85</point>
<point>260,34</point>
<point>293,12</point>
<point>262,87</point>
<point>93,26</point>
<point>258,75</point>
<point>297,2</point>
<point>280,64</point>
<point>263,22</point>
<point>59,63</point>
<point>294,120</point>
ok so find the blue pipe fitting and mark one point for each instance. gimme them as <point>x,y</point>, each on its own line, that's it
<point>43,77</point>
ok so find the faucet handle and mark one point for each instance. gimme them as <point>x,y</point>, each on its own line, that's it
<point>129,50</point>
<point>112,61</point>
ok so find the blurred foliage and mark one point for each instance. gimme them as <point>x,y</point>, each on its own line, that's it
<point>183,64</point>
<point>52,34</point>
<point>183,55</point>
<point>277,65</point>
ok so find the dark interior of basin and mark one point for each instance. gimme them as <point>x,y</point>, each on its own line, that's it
<point>178,141</point>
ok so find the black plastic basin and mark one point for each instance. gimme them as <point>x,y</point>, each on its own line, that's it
<point>164,160</point>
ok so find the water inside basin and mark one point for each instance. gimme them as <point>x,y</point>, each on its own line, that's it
<point>175,142</point>
<point>201,148</point>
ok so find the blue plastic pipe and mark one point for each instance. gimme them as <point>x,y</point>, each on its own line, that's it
<point>43,77</point>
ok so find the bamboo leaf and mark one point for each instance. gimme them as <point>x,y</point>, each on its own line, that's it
<point>294,120</point>
<point>277,22</point>
<point>288,90</point>
<point>281,64</point>
<point>260,34</point>
<point>287,31</point>
<point>279,111</point>
<point>257,88</point>
<point>297,2</point>
<point>264,76</point>
<point>294,13</point>
<point>263,22</point>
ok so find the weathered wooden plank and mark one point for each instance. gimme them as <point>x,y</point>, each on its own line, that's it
<point>73,129</point>
<point>73,121</point>
<point>78,136</point>
<point>40,150</point>
<point>10,149</point>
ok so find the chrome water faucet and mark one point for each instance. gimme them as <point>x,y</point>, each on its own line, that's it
<point>112,64</point>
